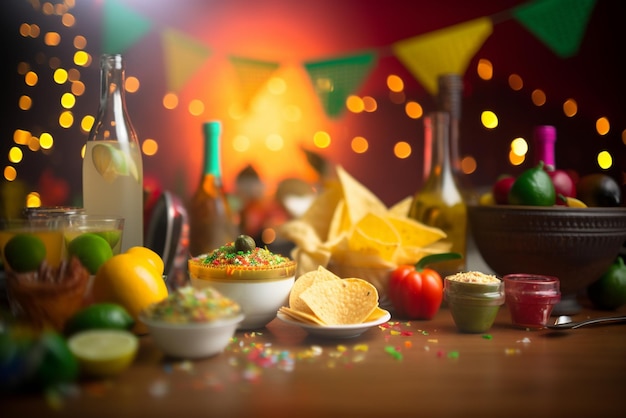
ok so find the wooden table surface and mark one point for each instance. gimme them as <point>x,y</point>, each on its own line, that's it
<point>417,368</point>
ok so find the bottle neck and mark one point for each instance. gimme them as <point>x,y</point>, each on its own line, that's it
<point>212,149</point>
<point>449,100</point>
<point>112,122</point>
<point>437,135</point>
<point>544,138</point>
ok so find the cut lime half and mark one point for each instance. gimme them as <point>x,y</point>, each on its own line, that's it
<point>104,352</point>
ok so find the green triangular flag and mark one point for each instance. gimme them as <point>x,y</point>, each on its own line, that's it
<point>559,24</point>
<point>334,80</point>
<point>183,56</point>
<point>252,75</point>
<point>122,27</point>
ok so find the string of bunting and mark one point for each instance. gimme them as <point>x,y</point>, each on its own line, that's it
<point>559,24</point>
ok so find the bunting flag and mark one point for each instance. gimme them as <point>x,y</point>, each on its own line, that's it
<point>334,80</point>
<point>559,24</point>
<point>447,50</point>
<point>122,27</point>
<point>183,56</point>
<point>252,75</point>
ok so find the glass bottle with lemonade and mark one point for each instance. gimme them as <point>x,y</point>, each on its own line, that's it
<point>112,166</point>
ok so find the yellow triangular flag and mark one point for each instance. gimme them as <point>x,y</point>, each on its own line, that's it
<point>447,50</point>
<point>252,74</point>
<point>183,56</point>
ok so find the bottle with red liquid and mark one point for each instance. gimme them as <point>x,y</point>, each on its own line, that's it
<point>544,139</point>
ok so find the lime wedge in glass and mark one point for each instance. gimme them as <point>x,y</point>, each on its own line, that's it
<point>111,162</point>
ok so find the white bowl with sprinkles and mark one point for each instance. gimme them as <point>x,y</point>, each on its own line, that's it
<point>192,323</point>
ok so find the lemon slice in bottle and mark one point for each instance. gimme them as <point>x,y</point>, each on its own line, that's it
<point>104,352</point>
<point>111,162</point>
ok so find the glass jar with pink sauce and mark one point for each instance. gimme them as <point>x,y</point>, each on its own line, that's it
<point>530,298</point>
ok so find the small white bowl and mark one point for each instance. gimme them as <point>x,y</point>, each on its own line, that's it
<point>195,340</point>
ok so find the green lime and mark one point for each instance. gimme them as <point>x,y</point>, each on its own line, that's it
<point>533,187</point>
<point>91,249</point>
<point>100,316</point>
<point>112,237</point>
<point>24,252</point>
<point>609,291</point>
<point>104,352</point>
<point>58,364</point>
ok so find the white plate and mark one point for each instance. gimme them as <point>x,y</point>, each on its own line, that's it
<point>336,331</point>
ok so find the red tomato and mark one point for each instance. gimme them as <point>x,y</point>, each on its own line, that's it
<point>415,294</point>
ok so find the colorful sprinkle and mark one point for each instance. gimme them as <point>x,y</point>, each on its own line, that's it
<point>393,352</point>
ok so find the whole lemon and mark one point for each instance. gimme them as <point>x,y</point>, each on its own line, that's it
<point>130,281</point>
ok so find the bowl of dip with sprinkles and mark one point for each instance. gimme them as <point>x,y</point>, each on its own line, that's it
<point>256,278</point>
<point>192,323</point>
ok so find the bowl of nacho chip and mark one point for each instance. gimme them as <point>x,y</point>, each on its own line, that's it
<point>327,305</point>
<point>351,232</point>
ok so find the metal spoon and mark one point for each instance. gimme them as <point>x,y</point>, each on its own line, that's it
<point>565,322</point>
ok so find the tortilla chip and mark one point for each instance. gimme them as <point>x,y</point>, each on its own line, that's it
<point>304,282</point>
<point>414,233</point>
<point>300,316</point>
<point>359,199</point>
<point>340,302</point>
<point>374,234</point>
<point>321,211</point>
<point>402,207</point>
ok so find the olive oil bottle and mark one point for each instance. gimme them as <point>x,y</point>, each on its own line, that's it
<point>440,203</point>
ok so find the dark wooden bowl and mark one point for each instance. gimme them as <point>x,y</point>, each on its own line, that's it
<point>576,245</point>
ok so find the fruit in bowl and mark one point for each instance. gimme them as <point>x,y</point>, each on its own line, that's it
<point>576,245</point>
<point>256,278</point>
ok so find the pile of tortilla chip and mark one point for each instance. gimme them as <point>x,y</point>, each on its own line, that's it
<point>320,297</point>
<point>347,225</point>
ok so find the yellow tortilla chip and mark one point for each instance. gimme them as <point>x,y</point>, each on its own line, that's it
<point>414,233</point>
<point>359,200</point>
<point>402,207</point>
<point>300,316</point>
<point>304,282</point>
<point>321,211</point>
<point>340,223</point>
<point>374,234</point>
<point>376,313</point>
<point>340,302</point>
<point>302,234</point>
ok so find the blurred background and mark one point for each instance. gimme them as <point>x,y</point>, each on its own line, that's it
<point>261,67</point>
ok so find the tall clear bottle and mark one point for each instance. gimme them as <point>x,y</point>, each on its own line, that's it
<point>450,99</point>
<point>112,166</point>
<point>439,203</point>
<point>211,223</point>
